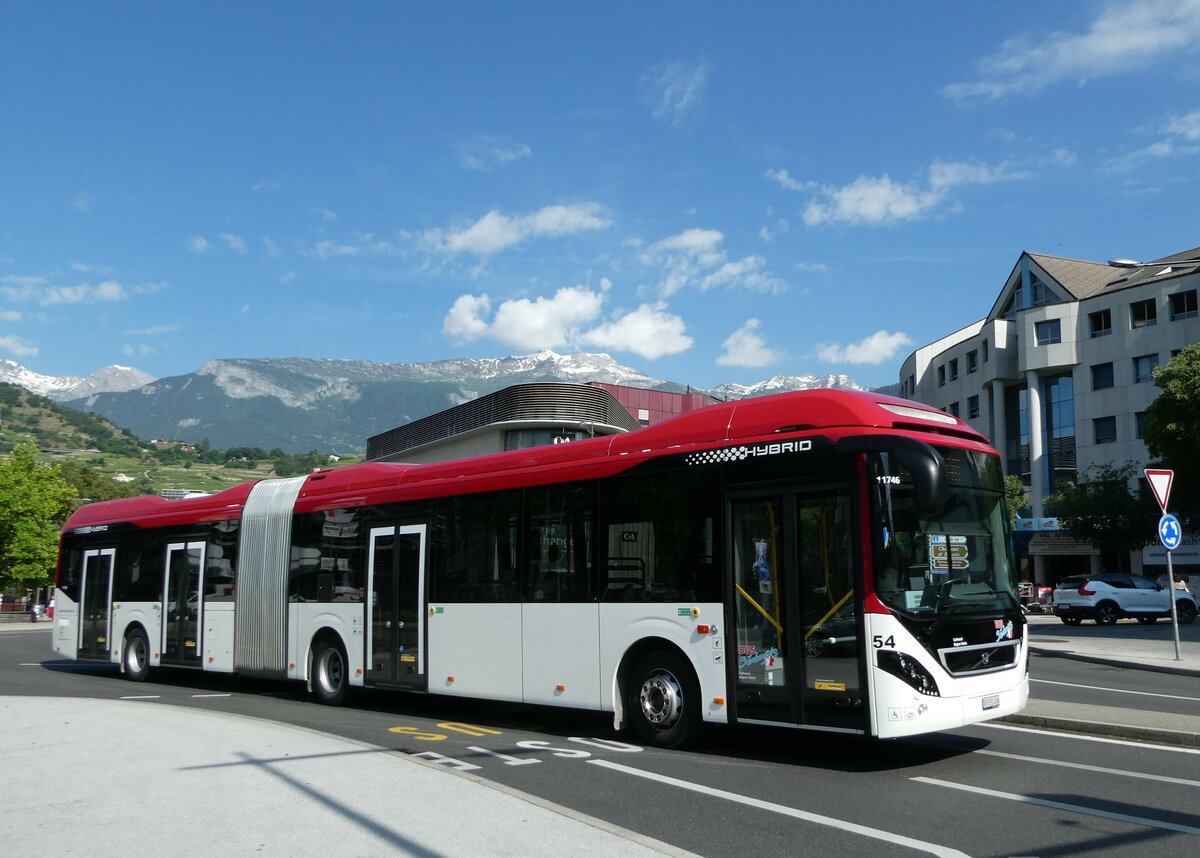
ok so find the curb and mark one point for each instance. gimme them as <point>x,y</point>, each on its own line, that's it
<point>1115,662</point>
<point>1172,738</point>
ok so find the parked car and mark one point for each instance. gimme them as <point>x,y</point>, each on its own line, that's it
<point>1107,598</point>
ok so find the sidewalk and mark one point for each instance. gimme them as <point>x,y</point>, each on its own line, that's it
<point>196,782</point>
<point>1129,645</point>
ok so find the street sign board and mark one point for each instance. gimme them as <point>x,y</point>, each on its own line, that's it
<point>1160,483</point>
<point>1170,532</point>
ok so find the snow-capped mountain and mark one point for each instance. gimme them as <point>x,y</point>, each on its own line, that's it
<point>300,404</point>
<point>784,384</point>
<point>113,378</point>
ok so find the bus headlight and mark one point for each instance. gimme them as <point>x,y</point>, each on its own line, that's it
<point>908,669</point>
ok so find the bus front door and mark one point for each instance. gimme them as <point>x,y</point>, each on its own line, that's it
<point>95,602</point>
<point>183,607</point>
<point>396,606</point>
<point>798,658</point>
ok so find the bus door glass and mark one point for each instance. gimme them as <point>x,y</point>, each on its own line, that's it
<point>396,607</point>
<point>95,602</point>
<point>183,609</point>
<point>797,635</point>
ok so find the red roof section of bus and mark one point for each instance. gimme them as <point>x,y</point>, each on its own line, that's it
<point>834,413</point>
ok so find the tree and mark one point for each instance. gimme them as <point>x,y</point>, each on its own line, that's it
<point>1171,426</point>
<point>1102,510</point>
<point>1014,498</point>
<point>34,502</point>
<point>92,485</point>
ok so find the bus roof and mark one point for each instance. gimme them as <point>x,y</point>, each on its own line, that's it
<point>831,412</point>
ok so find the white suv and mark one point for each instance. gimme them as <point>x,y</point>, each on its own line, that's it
<point>1107,598</point>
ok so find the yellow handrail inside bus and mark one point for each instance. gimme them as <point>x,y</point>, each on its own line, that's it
<point>832,611</point>
<point>760,609</point>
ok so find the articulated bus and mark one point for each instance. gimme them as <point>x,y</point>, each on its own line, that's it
<point>827,560</point>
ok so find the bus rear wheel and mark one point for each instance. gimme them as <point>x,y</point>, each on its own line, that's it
<point>331,679</point>
<point>664,699</point>
<point>136,657</point>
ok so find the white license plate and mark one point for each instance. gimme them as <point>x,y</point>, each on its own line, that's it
<point>991,702</point>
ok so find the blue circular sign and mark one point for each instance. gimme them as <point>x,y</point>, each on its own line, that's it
<point>1170,532</point>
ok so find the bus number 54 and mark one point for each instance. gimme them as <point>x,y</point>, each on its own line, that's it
<point>880,643</point>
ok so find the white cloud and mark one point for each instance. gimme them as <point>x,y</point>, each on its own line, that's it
<point>1182,138</point>
<point>198,244</point>
<point>486,152</point>
<point>10,316</point>
<point>271,247</point>
<point>1186,126</point>
<point>496,231</point>
<point>674,92</point>
<point>235,242</point>
<point>875,349</point>
<point>325,215</point>
<point>541,323</point>
<point>694,257</point>
<point>85,293</point>
<point>465,320</point>
<point>785,180</point>
<point>745,347</point>
<point>1122,37</point>
<point>17,346</point>
<point>334,249</point>
<point>880,200</point>
<point>82,203</point>
<point>649,332</point>
<point>154,331</point>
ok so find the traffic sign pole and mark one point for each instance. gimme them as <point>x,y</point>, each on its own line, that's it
<point>1174,610</point>
<point>1170,533</point>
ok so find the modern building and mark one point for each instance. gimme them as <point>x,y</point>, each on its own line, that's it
<point>528,415</point>
<point>1073,343</point>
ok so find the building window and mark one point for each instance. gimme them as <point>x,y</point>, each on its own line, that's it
<point>941,376</point>
<point>952,408</point>
<point>1100,323</point>
<point>985,351</point>
<point>972,361</point>
<point>1102,376</point>
<point>1139,423</point>
<point>1105,429</point>
<point>972,407</point>
<point>1143,314</point>
<point>1183,305</point>
<point>1143,368</point>
<point>954,369</point>
<point>1048,332</point>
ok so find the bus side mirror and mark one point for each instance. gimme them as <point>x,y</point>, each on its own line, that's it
<point>925,464</point>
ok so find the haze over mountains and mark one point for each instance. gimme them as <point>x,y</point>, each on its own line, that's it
<point>301,404</point>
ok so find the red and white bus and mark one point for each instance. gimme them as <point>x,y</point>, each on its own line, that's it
<point>824,559</point>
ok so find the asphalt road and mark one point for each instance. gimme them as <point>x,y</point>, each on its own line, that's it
<point>989,790</point>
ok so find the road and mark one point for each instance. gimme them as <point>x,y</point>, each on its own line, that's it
<point>989,790</point>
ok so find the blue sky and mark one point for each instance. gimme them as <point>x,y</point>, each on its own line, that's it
<point>708,192</point>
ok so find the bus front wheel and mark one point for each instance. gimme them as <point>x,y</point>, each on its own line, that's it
<point>331,679</point>
<point>664,700</point>
<point>136,658</point>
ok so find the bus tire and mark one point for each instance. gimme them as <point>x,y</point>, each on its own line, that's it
<point>664,700</point>
<point>330,673</point>
<point>135,659</point>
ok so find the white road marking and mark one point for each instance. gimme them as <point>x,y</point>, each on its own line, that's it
<point>1117,690</point>
<point>1083,737</point>
<point>1058,805</point>
<point>212,695</point>
<point>1100,769</point>
<point>850,827</point>
<point>142,697</point>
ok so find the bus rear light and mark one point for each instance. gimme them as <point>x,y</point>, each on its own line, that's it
<point>908,669</point>
<point>702,629</point>
<point>718,701</point>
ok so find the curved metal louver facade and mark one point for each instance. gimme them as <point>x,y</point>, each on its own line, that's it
<point>571,403</point>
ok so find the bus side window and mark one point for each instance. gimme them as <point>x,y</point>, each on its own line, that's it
<point>558,545</point>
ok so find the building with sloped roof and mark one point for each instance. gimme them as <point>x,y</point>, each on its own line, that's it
<point>1074,343</point>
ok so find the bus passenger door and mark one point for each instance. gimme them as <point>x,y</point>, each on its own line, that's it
<point>797,657</point>
<point>183,607</point>
<point>95,602</point>
<point>396,606</point>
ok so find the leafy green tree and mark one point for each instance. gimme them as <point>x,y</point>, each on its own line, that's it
<point>92,485</point>
<point>1014,498</point>
<point>1171,430</point>
<point>35,500</point>
<point>1102,511</point>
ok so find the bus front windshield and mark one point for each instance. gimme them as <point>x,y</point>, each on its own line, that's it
<point>957,559</point>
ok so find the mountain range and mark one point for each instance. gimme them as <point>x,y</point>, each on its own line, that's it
<point>301,404</point>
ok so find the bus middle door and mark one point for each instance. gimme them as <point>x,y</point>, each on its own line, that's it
<point>396,606</point>
<point>95,602</point>
<point>183,604</point>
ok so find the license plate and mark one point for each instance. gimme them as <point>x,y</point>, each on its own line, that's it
<point>991,702</point>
